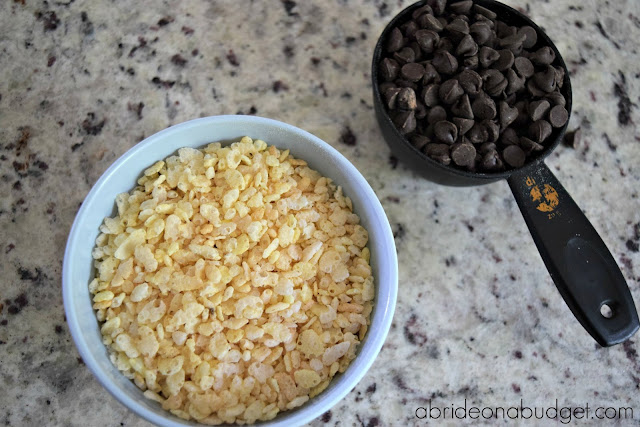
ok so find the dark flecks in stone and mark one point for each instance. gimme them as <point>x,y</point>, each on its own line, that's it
<point>166,84</point>
<point>77,145</point>
<point>398,231</point>
<point>598,24</point>
<point>610,144</point>
<point>373,422</point>
<point>371,389</point>
<point>624,103</point>
<point>288,7</point>
<point>412,332</point>
<point>17,304</point>
<point>136,108</point>
<point>80,361</point>
<point>142,42</point>
<point>36,276</point>
<point>323,89</point>
<point>515,387</point>
<point>51,60</point>
<point>350,40</point>
<point>91,125</point>
<point>41,165</point>
<point>326,417</point>
<point>363,36</point>
<point>195,52</point>
<point>279,86</point>
<point>289,51</point>
<point>348,137</point>
<point>58,329</point>
<point>178,60</point>
<point>383,9</point>
<point>315,61</point>
<point>187,30</point>
<point>19,1</point>
<point>131,71</point>
<point>632,246</point>
<point>165,21</point>
<point>4,322</point>
<point>517,354</point>
<point>232,58</point>
<point>9,248</point>
<point>393,161</point>
<point>49,20</point>
<point>579,24</point>
<point>87,25</point>
<point>393,199</point>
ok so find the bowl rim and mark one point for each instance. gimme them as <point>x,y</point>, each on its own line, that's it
<point>367,352</point>
<point>533,163</point>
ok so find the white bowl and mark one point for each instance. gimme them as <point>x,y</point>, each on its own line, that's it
<point>121,177</point>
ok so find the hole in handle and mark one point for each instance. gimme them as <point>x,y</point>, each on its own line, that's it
<point>606,311</point>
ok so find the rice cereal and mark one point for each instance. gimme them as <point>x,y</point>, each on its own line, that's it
<point>233,283</point>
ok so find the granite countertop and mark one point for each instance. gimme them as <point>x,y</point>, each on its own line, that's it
<point>478,317</point>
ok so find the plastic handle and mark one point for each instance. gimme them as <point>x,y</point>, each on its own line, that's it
<point>579,262</point>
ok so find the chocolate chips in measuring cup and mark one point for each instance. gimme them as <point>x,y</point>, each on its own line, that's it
<point>468,90</point>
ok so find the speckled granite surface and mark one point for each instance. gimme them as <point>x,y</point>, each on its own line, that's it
<point>478,317</point>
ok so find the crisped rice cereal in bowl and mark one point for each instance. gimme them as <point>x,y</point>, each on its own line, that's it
<point>233,283</point>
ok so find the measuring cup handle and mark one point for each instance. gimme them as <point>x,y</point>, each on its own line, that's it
<point>579,262</point>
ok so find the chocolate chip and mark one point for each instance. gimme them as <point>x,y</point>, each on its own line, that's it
<point>572,139</point>
<point>389,69</point>
<point>405,121</point>
<point>543,56</point>
<point>478,133</point>
<point>559,77</point>
<point>481,32</point>
<point>487,56</point>
<point>420,111</point>
<point>445,44</point>
<point>556,98</point>
<point>463,108</point>
<point>406,99</point>
<point>395,40</point>
<point>538,109</point>
<point>430,74</point>
<point>421,11</point>
<point>438,152</point>
<point>509,137</point>
<point>409,29</point>
<point>471,62</point>
<point>419,141</point>
<point>491,161</point>
<point>507,114</point>
<point>436,114</point>
<point>405,55</point>
<point>540,130</point>
<point>486,147</point>
<point>524,67</point>
<point>444,62</point>
<point>467,46</point>
<point>412,71</point>
<point>427,40</point>
<point>558,116</point>
<point>534,89</point>
<point>493,130</point>
<point>429,22</point>
<point>513,42</point>
<point>464,125</point>
<point>494,82</point>
<point>470,81</point>
<point>390,97</point>
<point>438,6</point>
<point>461,7</point>
<point>485,12</point>
<point>529,146</point>
<point>458,28</point>
<point>514,82</point>
<point>430,95</point>
<point>505,61</point>
<point>406,83</point>
<point>450,91</point>
<point>503,30</point>
<point>546,80</point>
<point>445,132</point>
<point>483,107</point>
<point>514,156</point>
<point>463,154</point>
<point>530,36</point>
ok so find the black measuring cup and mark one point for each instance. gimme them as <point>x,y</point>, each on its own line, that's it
<point>577,259</point>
